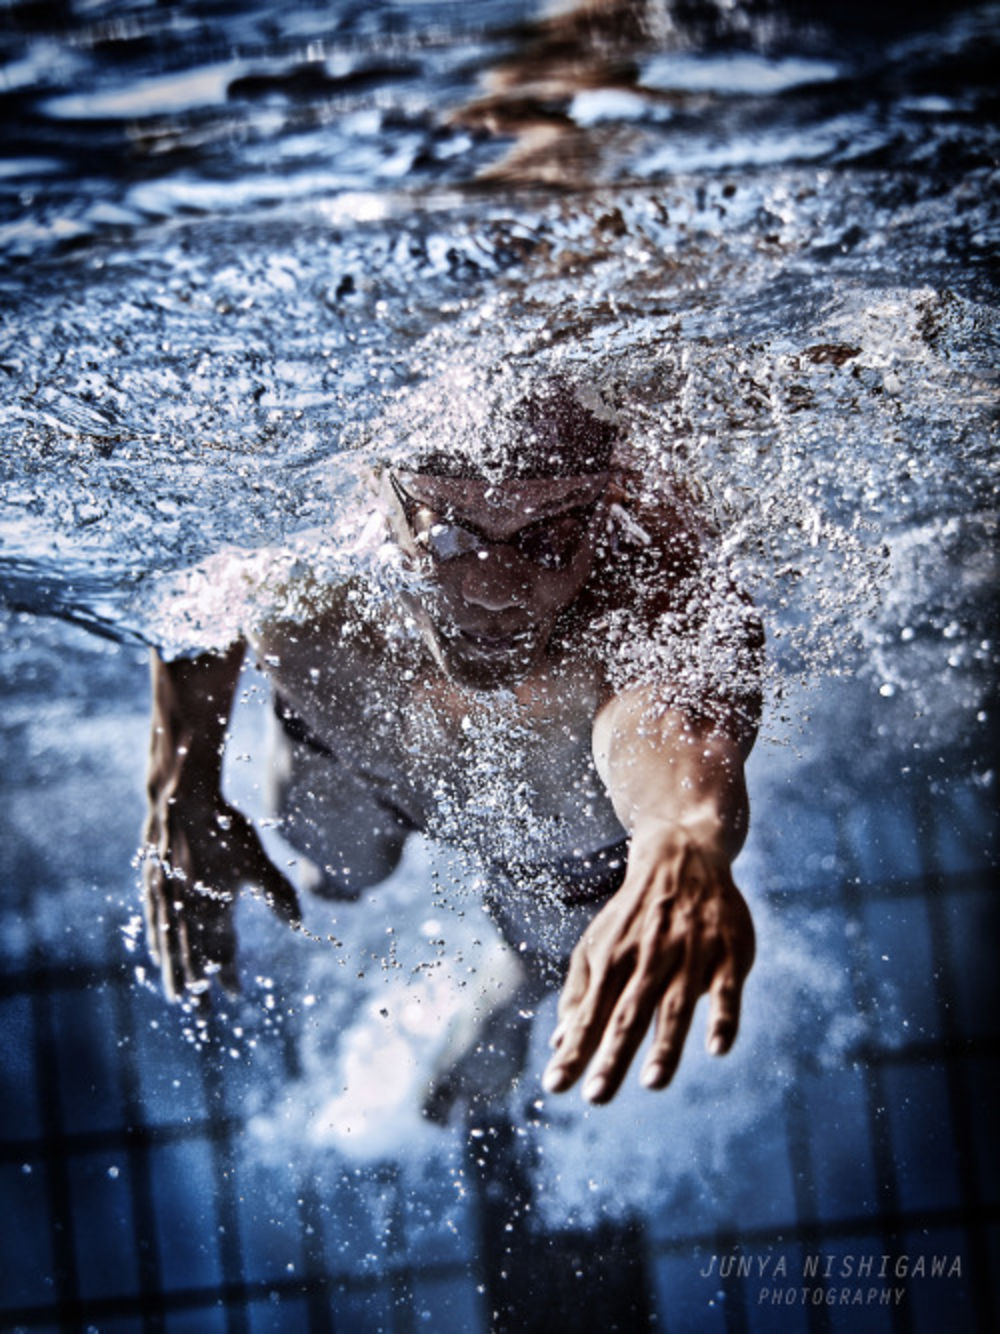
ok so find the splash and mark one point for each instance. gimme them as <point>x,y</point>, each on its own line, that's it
<point>173,420</point>
<point>421,967</point>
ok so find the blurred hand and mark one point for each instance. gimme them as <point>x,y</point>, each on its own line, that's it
<point>677,928</point>
<point>197,859</point>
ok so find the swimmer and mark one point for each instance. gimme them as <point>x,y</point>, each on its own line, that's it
<point>628,785</point>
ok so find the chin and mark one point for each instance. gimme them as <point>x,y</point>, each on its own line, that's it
<point>484,676</point>
<point>485,665</point>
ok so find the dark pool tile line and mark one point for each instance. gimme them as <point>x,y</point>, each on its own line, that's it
<point>919,1305</point>
<point>899,961</point>
<point>186,1237</point>
<point>930,1051</point>
<point>905,832</point>
<point>447,1304</point>
<point>274,1240</point>
<point>922,1134</point>
<point>967,986</point>
<point>164,1174</point>
<point>891,1144</point>
<point>964,833</point>
<point>235,1270</point>
<point>920,1117</point>
<point>345,1226</point>
<point>120,1137</point>
<point>807,896</point>
<point>26,1254</point>
<point>880,839</point>
<point>105,1033</point>
<point>107,1258</point>
<point>834,1151</point>
<point>73,977</point>
<point>87,1051</point>
<point>187,1131</point>
<point>836,1166</point>
<point>275,1315</point>
<point>938,1305</point>
<point>813,1234</point>
<point>983,1078</point>
<point>18,1087</point>
<point>456,1278</point>
<point>188,1300</point>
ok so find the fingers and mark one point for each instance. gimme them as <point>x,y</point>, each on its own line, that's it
<point>572,995</point>
<point>673,1022</point>
<point>250,863</point>
<point>624,1032</point>
<point>726,991</point>
<point>279,893</point>
<point>189,932</point>
<point>678,952</point>
<point>659,960</point>
<point>161,933</point>
<point>724,1010</point>
<point>585,1006</point>
<point>190,883</point>
<point>229,979</point>
<point>676,1011</point>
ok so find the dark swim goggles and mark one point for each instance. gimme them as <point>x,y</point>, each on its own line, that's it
<point>551,543</point>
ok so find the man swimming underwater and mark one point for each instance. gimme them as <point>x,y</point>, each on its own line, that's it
<point>561,632</point>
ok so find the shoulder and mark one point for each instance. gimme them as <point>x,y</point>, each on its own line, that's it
<point>338,619</point>
<point>338,662</point>
<point>664,514</point>
<point>654,542</point>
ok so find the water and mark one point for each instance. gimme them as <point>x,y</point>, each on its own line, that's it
<point>775,252</point>
<point>243,250</point>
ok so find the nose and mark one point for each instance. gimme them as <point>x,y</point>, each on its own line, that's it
<point>494,581</point>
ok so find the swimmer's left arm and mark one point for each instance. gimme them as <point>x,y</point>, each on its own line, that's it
<point>678,926</point>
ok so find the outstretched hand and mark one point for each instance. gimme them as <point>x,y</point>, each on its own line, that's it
<point>677,928</point>
<point>196,861</point>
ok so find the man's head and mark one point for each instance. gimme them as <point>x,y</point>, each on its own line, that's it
<point>505,534</point>
<point>549,432</point>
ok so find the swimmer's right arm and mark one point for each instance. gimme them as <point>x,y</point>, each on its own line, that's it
<point>199,849</point>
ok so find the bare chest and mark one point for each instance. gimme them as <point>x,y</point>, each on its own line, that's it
<point>503,770</point>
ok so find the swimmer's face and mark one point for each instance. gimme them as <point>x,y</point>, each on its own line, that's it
<point>500,563</point>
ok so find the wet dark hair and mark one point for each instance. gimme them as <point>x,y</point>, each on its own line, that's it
<point>547,433</point>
